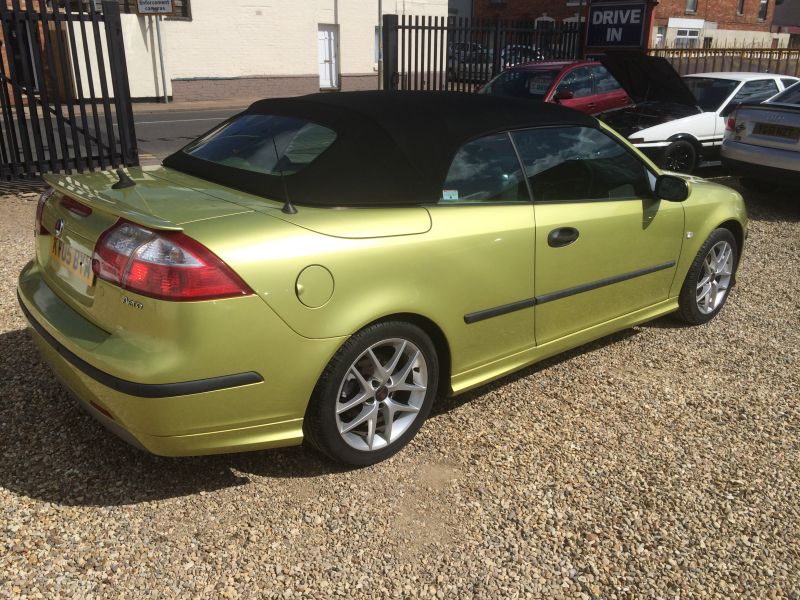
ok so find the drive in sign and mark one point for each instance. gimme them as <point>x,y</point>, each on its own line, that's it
<point>616,25</point>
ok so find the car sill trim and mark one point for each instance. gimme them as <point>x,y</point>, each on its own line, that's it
<point>142,390</point>
<point>558,295</point>
<point>593,285</point>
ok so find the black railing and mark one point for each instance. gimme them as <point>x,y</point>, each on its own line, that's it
<point>64,89</point>
<point>439,53</point>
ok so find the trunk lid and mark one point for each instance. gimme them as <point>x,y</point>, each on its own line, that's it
<point>770,126</point>
<point>85,206</point>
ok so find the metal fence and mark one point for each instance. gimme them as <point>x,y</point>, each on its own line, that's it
<point>447,53</point>
<point>784,61</point>
<point>64,89</point>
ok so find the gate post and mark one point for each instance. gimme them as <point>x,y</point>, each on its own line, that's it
<point>119,82</point>
<point>497,62</point>
<point>390,76</point>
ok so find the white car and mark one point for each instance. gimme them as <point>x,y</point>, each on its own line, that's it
<point>679,121</point>
<point>762,142</point>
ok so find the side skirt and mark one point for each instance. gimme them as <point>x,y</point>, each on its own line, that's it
<point>462,382</point>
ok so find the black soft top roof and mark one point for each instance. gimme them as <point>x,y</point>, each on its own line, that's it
<point>392,148</point>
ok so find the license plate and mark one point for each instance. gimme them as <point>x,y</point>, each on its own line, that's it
<point>781,131</point>
<point>74,261</point>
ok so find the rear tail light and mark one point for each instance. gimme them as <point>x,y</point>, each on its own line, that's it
<point>730,124</point>
<point>43,198</point>
<point>164,265</point>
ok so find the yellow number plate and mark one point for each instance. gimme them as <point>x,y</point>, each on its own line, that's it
<point>74,261</point>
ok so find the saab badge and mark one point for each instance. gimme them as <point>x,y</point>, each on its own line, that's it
<point>59,227</point>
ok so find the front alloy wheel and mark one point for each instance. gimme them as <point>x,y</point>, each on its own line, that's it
<point>710,277</point>
<point>374,394</point>
<point>680,157</point>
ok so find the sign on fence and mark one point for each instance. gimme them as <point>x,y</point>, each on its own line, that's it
<point>155,7</point>
<point>618,25</point>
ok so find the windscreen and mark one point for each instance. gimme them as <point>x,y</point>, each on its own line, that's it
<point>790,95</point>
<point>266,144</point>
<point>533,85</point>
<point>710,92</point>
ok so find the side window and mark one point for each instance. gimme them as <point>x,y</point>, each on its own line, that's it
<point>485,170</point>
<point>756,91</point>
<point>578,164</point>
<point>788,82</point>
<point>578,81</point>
<point>603,81</point>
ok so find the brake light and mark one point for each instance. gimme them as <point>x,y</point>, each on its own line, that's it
<point>730,124</point>
<point>43,198</point>
<point>164,265</point>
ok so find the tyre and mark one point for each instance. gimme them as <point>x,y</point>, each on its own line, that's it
<point>680,156</point>
<point>757,185</point>
<point>374,394</point>
<point>709,279</point>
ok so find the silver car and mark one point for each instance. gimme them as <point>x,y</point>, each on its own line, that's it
<point>762,142</point>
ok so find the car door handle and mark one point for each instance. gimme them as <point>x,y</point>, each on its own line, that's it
<point>563,236</point>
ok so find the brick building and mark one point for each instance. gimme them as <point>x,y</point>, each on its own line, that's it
<point>683,23</point>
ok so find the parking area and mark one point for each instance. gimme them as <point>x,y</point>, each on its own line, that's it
<point>662,461</point>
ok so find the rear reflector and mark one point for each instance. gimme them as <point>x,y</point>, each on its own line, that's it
<point>164,265</point>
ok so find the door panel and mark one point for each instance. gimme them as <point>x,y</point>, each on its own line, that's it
<point>616,239</point>
<point>605,247</point>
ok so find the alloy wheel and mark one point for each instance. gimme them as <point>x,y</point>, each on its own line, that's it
<point>381,394</point>
<point>715,277</point>
<point>679,159</point>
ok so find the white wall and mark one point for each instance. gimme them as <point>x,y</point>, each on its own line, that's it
<point>250,38</point>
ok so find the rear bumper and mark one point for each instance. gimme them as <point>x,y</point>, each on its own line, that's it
<point>225,413</point>
<point>763,163</point>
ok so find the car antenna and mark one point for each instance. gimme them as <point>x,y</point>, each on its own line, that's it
<point>124,180</point>
<point>288,207</point>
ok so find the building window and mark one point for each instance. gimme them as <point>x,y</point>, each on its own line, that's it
<point>691,6</point>
<point>740,7</point>
<point>687,38</point>
<point>544,23</point>
<point>707,41</point>
<point>762,10</point>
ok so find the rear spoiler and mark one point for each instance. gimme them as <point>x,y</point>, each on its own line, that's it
<point>770,106</point>
<point>102,197</point>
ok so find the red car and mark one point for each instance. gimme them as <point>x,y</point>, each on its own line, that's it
<point>584,85</point>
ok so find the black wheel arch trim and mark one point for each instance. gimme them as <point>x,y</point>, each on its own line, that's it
<point>503,309</point>
<point>141,390</point>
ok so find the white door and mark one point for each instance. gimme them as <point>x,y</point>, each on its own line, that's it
<point>327,42</point>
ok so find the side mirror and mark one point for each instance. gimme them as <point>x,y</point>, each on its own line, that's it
<point>672,188</point>
<point>563,95</point>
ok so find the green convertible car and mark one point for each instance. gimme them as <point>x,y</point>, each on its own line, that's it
<point>321,268</point>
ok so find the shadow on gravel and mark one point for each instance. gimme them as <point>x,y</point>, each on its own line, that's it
<point>444,405</point>
<point>779,205</point>
<point>52,451</point>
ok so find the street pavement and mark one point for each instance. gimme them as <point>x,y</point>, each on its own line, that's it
<point>162,132</point>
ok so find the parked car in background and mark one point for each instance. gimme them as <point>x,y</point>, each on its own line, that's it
<point>584,85</point>
<point>515,54</point>
<point>323,267</point>
<point>679,121</point>
<point>762,141</point>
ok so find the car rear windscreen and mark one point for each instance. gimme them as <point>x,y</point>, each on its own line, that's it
<point>521,84</point>
<point>266,144</point>
<point>790,95</point>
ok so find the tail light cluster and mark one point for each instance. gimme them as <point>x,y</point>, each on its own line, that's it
<point>164,265</point>
<point>730,124</point>
<point>43,198</point>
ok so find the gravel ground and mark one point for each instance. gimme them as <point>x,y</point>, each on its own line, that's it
<point>660,462</point>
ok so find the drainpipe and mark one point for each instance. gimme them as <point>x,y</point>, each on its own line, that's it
<point>380,43</point>
<point>161,59</point>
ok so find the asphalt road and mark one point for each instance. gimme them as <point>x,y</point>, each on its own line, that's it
<point>161,133</point>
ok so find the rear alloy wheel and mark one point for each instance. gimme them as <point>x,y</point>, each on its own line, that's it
<point>709,279</point>
<point>374,395</point>
<point>680,156</point>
